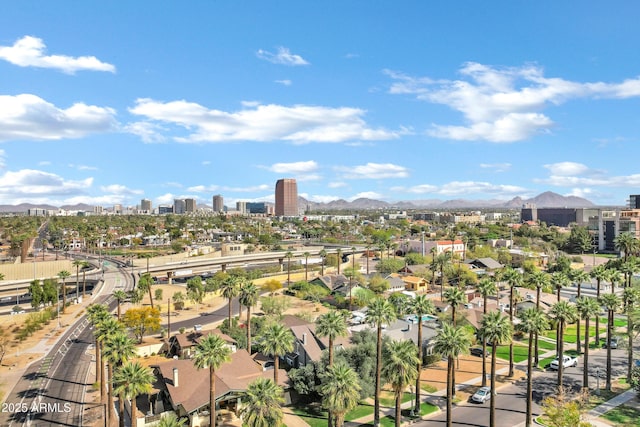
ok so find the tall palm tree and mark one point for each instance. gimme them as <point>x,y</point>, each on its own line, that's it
<point>132,380</point>
<point>144,284</point>
<point>578,276</point>
<point>332,325</point>
<point>496,329</point>
<point>104,331</point>
<point>261,404</point>
<point>172,421</point>
<point>630,298</point>
<point>399,370</point>
<point>614,277</point>
<point>248,297</point>
<point>120,296</point>
<point>601,274</point>
<point>611,302</point>
<point>118,349</point>
<point>538,279</point>
<point>339,255</point>
<point>340,390</point>
<point>380,312</point>
<point>85,265</point>
<point>563,312</point>
<point>276,340</point>
<point>323,256</point>
<point>513,279</point>
<point>63,275</point>
<point>420,306</point>
<point>306,266</point>
<point>627,244</point>
<point>229,289</point>
<point>211,352</point>
<point>454,296</point>
<point>97,313</point>
<point>451,342</point>
<point>559,280</point>
<point>486,287</point>
<point>532,321</point>
<point>442,261</point>
<point>77,264</point>
<point>288,255</point>
<point>587,308</point>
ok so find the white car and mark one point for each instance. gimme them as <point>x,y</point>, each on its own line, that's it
<point>567,362</point>
<point>482,395</point>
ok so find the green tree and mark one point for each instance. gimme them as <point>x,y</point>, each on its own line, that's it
<point>229,289</point>
<point>262,404</point>
<point>77,264</point>
<point>118,349</point>
<point>331,325</point>
<point>587,308</point>
<point>561,411</point>
<point>399,370</point>
<point>578,277</point>
<point>514,279</point>
<point>563,312</point>
<point>96,314</point>
<point>421,305</point>
<point>178,300</point>
<point>340,390</point>
<point>627,244</point>
<point>144,284</point>
<point>378,284</point>
<point>85,265</point>
<point>496,329</point>
<point>104,331</point>
<point>533,321</point>
<point>142,320</point>
<point>451,342</point>
<point>120,296</point>
<point>132,380</point>
<point>248,297</point>
<point>600,273</point>
<point>611,302</point>
<point>211,352</point>
<point>486,287</point>
<point>37,294</point>
<point>630,298</point>
<point>579,241</point>
<point>276,340</point>
<point>63,275</point>
<point>380,313</point>
<point>172,421</point>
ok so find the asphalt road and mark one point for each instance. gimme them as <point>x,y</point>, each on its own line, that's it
<point>511,399</point>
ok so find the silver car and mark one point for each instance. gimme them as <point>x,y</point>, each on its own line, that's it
<point>482,395</point>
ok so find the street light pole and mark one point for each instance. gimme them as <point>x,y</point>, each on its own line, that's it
<point>597,381</point>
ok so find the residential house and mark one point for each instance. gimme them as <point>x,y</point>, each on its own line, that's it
<point>183,345</point>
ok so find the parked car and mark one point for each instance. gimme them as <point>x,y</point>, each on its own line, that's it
<point>567,362</point>
<point>614,343</point>
<point>477,351</point>
<point>482,395</point>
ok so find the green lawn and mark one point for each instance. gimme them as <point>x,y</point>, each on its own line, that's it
<point>546,345</point>
<point>520,352</point>
<point>388,399</point>
<point>617,322</point>
<point>360,411</point>
<point>389,421</point>
<point>311,415</point>
<point>623,416</point>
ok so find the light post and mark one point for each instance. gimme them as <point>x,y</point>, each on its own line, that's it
<point>597,381</point>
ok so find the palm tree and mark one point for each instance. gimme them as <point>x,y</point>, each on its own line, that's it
<point>306,266</point>
<point>172,421</point>
<point>339,256</point>
<point>486,287</point>
<point>144,284</point>
<point>340,390</point>
<point>587,307</point>
<point>601,274</point>
<point>104,331</point>
<point>85,265</point>
<point>441,262</point>
<point>77,264</point>
<point>211,352</point>
<point>399,370</point>
<point>331,325</point>
<point>323,255</point>
<point>630,298</point>
<point>420,306</point>
<point>450,342</point>
<point>513,279</point>
<point>380,312</point>
<point>454,296</point>
<point>132,380</point>
<point>496,329</point>
<point>277,340</point>
<point>614,277</point>
<point>63,275</point>
<point>563,312</point>
<point>97,313</point>
<point>118,349</point>
<point>289,255</point>
<point>578,277</point>
<point>559,280</point>
<point>533,321</point>
<point>229,289</point>
<point>261,404</point>
<point>248,297</point>
<point>627,244</point>
<point>120,296</point>
<point>611,302</point>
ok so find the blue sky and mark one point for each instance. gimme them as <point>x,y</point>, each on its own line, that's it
<point>112,102</point>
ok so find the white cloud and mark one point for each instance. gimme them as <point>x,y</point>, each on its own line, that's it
<point>417,189</point>
<point>337,184</point>
<point>263,123</point>
<point>464,188</point>
<point>294,168</point>
<point>578,175</point>
<point>497,167</point>
<point>83,167</point>
<point>503,104</point>
<point>147,131</point>
<point>285,82</point>
<point>203,188</point>
<point>120,190</point>
<point>27,116</point>
<point>27,185</point>
<point>367,195</point>
<point>373,171</point>
<point>30,52</point>
<point>283,56</point>
<point>322,199</point>
<point>3,159</point>
<point>568,169</point>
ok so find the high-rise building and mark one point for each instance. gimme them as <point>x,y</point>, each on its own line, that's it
<point>634,201</point>
<point>218,203</point>
<point>286,197</point>
<point>145,205</point>
<point>179,206</point>
<point>189,205</point>
<point>241,207</point>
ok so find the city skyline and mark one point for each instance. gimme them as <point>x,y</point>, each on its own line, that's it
<point>101,105</point>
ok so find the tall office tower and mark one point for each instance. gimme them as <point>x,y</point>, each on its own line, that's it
<point>189,205</point>
<point>286,197</point>
<point>218,203</point>
<point>241,207</point>
<point>145,205</point>
<point>179,206</point>
<point>634,201</point>
<point>117,209</point>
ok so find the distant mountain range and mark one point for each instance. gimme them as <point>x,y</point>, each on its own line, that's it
<point>547,199</point>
